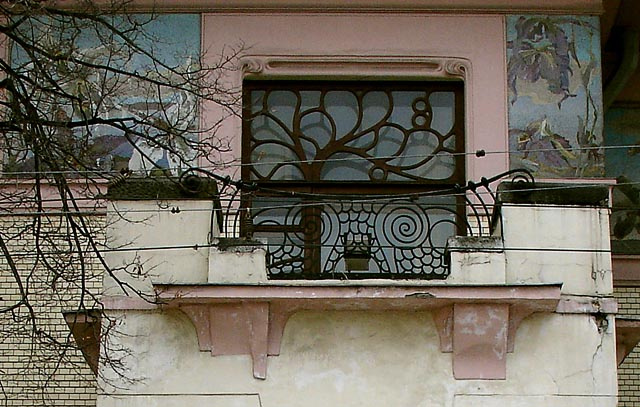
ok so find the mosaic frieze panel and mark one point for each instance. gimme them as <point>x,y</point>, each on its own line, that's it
<point>173,39</point>
<point>555,95</point>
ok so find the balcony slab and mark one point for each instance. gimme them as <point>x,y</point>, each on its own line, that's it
<point>250,319</point>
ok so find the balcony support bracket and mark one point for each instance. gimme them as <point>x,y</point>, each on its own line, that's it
<point>479,335</point>
<point>252,328</point>
<point>476,324</point>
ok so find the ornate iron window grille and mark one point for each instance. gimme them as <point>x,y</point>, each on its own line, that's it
<point>349,176</point>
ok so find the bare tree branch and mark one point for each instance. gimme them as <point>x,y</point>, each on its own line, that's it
<point>86,92</point>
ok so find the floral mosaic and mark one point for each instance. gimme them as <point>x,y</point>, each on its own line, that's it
<point>555,95</point>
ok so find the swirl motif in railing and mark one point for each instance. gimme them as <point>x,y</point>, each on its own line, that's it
<point>316,236</point>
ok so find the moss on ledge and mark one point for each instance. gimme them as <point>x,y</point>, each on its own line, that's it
<point>143,188</point>
<point>553,194</point>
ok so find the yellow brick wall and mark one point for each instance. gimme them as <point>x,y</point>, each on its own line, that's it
<point>629,372</point>
<point>34,371</point>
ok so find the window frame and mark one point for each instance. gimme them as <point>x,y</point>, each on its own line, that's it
<point>350,188</point>
<point>328,186</point>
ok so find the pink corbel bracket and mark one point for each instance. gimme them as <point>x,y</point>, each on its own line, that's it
<point>443,318</point>
<point>479,336</point>
<point>516,316</point>
<point>480,341</point>
<point>278,316</point>
<point>245,328</point>
<point>199,315</point>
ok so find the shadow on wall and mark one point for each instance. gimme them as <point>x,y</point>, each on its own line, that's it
<point>622,129</point>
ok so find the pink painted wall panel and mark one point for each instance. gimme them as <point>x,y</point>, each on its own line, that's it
<point>480,40</point>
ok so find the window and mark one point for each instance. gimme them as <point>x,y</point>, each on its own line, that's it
<point>346,173</point>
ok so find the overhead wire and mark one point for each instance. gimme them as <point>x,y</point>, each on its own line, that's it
<point>329,199</point>
<point>566,181</point>
<point>176,210</point>
<point>478,153</point>
<point>288,206</point>
<point>561,184</point>
<point>196,247</point>
<point>372,198</point>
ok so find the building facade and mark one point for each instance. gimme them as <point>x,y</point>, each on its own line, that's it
<point>283,314</point>
<point>396,99</point>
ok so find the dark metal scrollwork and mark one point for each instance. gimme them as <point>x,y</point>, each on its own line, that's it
<point>375,236</point>
<point>317,132</point>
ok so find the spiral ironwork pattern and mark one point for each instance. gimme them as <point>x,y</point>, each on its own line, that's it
<point>398,238</point>
<point>315,236</point>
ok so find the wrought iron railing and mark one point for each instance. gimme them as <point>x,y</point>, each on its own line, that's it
<point>329,236</point>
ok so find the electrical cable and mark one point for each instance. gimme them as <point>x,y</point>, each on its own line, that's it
<point>478,153</point>
<point>196,247</point>
<point>329,199</point>
<point>560,185</point>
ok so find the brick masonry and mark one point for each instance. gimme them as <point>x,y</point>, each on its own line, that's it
<point>629,372</point>
<point>40,365</point>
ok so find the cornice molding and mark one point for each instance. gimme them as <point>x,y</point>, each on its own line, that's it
<point>406,6</point>
<point>354,66</point>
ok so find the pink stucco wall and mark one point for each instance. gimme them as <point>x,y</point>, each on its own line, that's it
<point>478,41</point>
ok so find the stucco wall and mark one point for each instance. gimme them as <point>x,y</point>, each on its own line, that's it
<point>366,358</point>
<point>372,45</point>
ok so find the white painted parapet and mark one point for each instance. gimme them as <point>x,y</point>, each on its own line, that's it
<point>557,234</point>
<point>159,241</point>
<point>237,261</point>
<point>157,232</point>
<point>476,260</point>
<point>566,244</point>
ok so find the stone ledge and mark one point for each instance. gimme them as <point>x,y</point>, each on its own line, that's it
<point>161,188</point>
<point>475,244</point>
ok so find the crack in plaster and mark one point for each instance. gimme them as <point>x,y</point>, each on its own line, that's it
<point>602,331</point>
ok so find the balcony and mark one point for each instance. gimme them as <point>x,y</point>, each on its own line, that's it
<point>544,251</point>
<point>237,235</point>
